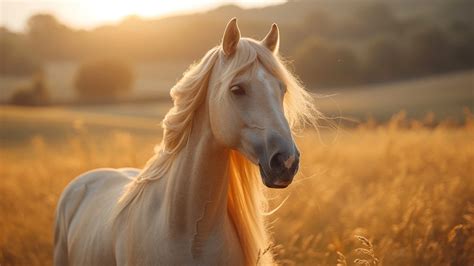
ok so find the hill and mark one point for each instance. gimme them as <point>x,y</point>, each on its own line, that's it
<point>438,98</point>
<point>333,43</point>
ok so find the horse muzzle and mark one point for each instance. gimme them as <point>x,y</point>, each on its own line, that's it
<point>280,171</point>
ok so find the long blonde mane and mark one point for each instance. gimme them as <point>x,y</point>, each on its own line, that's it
<point>246,203</point>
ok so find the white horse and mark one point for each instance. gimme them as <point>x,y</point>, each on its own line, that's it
<point>198,200</point>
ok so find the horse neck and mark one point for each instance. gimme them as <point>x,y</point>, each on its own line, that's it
<point>196,190</point>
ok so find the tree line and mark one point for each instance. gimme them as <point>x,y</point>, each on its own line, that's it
<point>371,43</point>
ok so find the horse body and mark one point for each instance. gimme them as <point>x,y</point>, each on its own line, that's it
<point>188,209</point>
<point>81,218</point>
<point>198,200</point>
<point>84,235</point>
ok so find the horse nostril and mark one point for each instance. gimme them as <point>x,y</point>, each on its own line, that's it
<point>281,163</point>
<point>295,166</point>
<point>276,163</point>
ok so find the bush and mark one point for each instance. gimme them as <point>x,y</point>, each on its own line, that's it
<point>37,93</point>
<point>104,79</point>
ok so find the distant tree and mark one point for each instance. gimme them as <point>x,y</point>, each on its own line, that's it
<point>16,56</point>
<point>462,40</point>
<point>376,17</point>
<point>318,23</point>
<point>346,27</point>
<point>50,38</point>
<point>42,23</point>
<point>37,93</point>
<point>104,79</point>
<point>431,52</point>
<point>385,60</point>
<point>323,64</point>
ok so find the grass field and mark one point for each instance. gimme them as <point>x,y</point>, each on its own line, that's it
<point>406,186</point>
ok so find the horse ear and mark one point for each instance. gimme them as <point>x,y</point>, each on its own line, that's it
<point>272,40</point>
<point>231,37</point>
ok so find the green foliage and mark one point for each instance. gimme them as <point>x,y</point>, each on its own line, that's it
<point>104,79</point>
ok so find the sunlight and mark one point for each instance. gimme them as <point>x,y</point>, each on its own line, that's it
<point>91,13</point>
<point>112,10</point>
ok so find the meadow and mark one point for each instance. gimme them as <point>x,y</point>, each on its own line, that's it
<point>397,193</point>
<point>387,180</point>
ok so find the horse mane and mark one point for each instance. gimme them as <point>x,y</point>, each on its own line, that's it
<point>244,189</point>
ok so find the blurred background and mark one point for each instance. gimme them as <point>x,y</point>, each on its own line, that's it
<point>84,84</point>
<point>373,57</point>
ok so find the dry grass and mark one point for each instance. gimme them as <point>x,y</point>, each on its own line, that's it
<point>394,194</point>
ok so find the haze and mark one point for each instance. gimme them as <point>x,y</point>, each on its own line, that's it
<point>90,13</point>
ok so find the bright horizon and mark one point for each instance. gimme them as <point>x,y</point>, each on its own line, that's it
<point>87,14</point>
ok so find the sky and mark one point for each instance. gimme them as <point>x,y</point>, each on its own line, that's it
<point>88,14</point>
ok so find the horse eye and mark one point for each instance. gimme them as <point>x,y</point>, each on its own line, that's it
<point>237,90</point>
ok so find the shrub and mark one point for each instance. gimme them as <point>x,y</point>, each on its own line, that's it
<point>104,79</point>
<point>36,93</point>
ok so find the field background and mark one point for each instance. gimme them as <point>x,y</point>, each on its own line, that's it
<point>405,184</point>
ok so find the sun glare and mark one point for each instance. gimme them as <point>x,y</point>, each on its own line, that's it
<point>91,13</point>
<point>110,10</point>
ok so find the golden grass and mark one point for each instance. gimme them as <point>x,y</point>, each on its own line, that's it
<point>394,194</point>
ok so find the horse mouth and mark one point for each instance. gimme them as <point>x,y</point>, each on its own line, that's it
<point>272,182</point>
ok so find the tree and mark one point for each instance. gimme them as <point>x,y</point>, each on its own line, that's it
<point>16,56</point>
<point>50,38</point>
<point>431,52</point>
<point>36,93</point>
<point>104,79</point>
<point>324,64</point>
<point>386,61</point>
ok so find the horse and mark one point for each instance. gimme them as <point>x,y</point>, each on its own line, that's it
<point>199,199</point>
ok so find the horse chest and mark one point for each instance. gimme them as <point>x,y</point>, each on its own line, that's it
<point>164,248</point>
